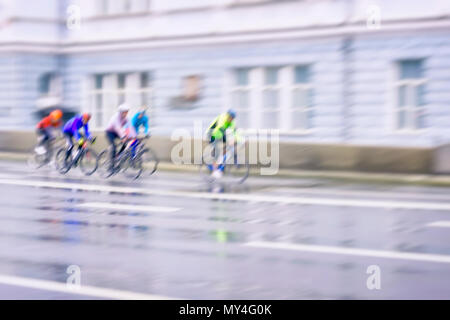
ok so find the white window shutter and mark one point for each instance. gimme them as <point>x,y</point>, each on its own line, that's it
<point>286,81</point>
<point>139,5</point>
<point>226,97</point>
<point>116,6</point>
<point>87,98</point>
<point>256,82</point>
<point>55,88</point>
<point>132,93</point>
<point>110,97</point>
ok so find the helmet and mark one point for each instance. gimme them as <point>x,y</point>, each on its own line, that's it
<point>86,116</point>
<point>124,108</point>
<point>232,113</point>
<point>56,115</point>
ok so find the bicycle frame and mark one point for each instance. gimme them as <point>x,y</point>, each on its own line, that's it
<point>134,146</point>
<point>230,151</point>
<point>80,152</point>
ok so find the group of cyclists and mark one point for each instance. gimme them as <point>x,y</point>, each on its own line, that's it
<point>121,128</point>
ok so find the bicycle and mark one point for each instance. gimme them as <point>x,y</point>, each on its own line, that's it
<point>230,166</point>
<point>85,157</point>
<point>42,154</point>
<point>132,161</point>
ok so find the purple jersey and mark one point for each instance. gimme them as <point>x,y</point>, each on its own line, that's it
<point>74,125</point>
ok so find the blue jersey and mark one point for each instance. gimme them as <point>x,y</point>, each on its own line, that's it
<point>74,125</point>
<point>138,122</point>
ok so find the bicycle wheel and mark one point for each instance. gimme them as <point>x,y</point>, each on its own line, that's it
<point>236,172</point>
<point>149,161</point>
<point>104,164</point>
<point>36,160</point>
<point>132,166</point>
<point>89,162</point>
<point>62,164</point>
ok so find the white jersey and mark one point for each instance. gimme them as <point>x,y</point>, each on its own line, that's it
<point>117,125</point>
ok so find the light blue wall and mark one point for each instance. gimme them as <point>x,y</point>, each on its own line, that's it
<point>373,58</point>
<point>8,89</point>
<point>19,74</point>
<point>171,65</point>
<point>369,74</point>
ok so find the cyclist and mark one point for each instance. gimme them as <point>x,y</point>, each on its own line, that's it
<point>46,125</point>
<point>139,120</point>
<point>217,133</point>
<point>72,130</point>
<point>117,129</point>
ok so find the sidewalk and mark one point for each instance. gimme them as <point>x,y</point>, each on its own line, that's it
<point>348,176</point>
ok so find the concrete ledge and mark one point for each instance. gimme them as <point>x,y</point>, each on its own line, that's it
<point>293,156</point>
<point>441,159</point>
<point>355,158</point>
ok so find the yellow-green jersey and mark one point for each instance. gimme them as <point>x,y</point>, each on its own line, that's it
<point>220,124</point>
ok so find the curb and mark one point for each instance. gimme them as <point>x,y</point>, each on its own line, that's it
<point>347,176</point>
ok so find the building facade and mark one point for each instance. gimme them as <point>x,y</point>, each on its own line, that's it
<point>321,71</point>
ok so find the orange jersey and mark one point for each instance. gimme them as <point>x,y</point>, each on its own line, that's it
<point>47,122</point>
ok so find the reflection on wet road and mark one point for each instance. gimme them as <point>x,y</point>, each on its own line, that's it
<point>172,236</point>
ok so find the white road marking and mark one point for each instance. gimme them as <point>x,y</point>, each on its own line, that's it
<point>81,290</point>
<point>82,178</point>
<point>371,193</point>
<point>127,207</point>
<point>439,224</point>
<point>352,251</point>
<point>235,197</point>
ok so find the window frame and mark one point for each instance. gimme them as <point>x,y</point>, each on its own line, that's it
<point>285,87</point>
<point>241,88</point>
<point>104,9</point>
<point>307,108</point>
<point>94,93</point>
<point>277,87</point>
<point>412,111</point>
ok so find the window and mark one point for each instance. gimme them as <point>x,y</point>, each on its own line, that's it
<point>191,88</point>
<point>410,93</point>
<point>112,7</point>
<point>49,85</point>
<point>271,92</point>
<point>49,90</point>
<point>240,96</point>
<point>107,91</point>
<point>301,107</point>
<point>121,87</point>
<point>98,100</point>
<point>250,1</point>
<point>274,97</point>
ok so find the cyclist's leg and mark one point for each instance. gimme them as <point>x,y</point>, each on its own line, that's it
<point>45,142</point>
<point>69,141</point>
<point>45,137</point>
<point>212,143</point>
<point>123,147</point>
<point>111,137</point>
<point>221,167</point>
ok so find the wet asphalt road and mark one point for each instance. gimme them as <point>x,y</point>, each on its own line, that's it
<point>171,236</point>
